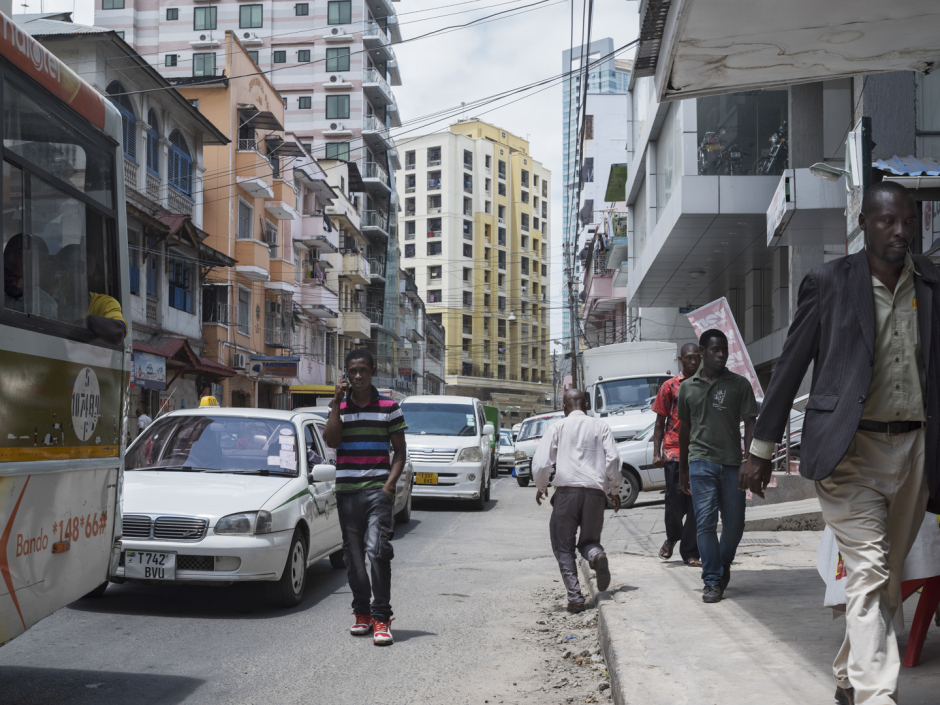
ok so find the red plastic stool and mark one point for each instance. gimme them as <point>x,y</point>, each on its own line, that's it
<point>926,608</point>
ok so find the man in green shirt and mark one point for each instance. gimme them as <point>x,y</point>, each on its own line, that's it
<point>712,404</point>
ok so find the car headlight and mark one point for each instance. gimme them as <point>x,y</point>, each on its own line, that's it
<point>520,456</point>
<point>470,455</point>
<point>245,523</point>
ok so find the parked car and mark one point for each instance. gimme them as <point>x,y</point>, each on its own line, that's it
<point>515,431</point>
<point>218,496</point>
<point>449,447</point>
<point>637,469</point>
<point>491,414</point>
<point>530,433</point>
<point>507,451</point>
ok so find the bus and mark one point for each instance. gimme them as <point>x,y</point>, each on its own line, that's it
<point>64,372</point>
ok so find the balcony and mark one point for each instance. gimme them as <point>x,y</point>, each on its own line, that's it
<point>276,334</point>
<point>375,134</point>
<point>254,260</point>
<point>130,175</point>
<point>355,324</point>
<point>376,178</point>
<point>313,233</point>
<point>253,173</point>
<point>376,42</point>
<point>355,268</point>
<point>376,88</point>
<point>317,299</point>
<point>281,205</point>
<point>374,223</point>
<point>377,268</point>
<point>179,202</point>
<point>217,313</point>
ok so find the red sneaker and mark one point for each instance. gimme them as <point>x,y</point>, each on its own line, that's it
<point>363,624</point>
<point>382,633</point>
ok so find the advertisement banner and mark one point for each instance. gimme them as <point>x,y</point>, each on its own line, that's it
<point>149,371</point>
<point>266,366</point>
<point>718,315</point>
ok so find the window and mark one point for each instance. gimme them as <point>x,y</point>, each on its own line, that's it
<point>337,107</point>
<point>270,238</point>
<point>489,161</point>
<point>434,180</point>
<point>468,206</point>
<point>112,4</point>
<point>337,150</point>
<point>488,185</point>
<point>501,280</point>
<point>244,311</point>
<point>486,302</point>
<point>434,156</point>
<point>204,64</point>
<point>303,56</point>
<point>410,230</point>
<point>525,271</point>
<point>280,57</point>
<point>501,211</point>
<point>120,98</point>
<point>525,196</point>
<point>304,102</point>
<point>468,160</point>
<point>501,333</point>
<point>434,203</point>
<point>501,236</point>
<point>588,127</point>
<point>434,248</point>
<point>468,301</point>
<point>337,59</point>
<point>544,192</point>
<point>245,214</point>
<point>501,303</point>
<point>301,9</point>
<point>468,183</point>
<point>501,169</point>
<point>466,274</point>
<point>120,33</point>
<point>172,13</point>
<point>435,296</point>
<point>181,286</point>
<point>153,143</point>
<point>435,272</point>
<point>544,210</point>
<point>486,276</point>
<point>409,206</point>
<point>180,165</point>
<point>524,179</point>
<point>205,18</point>
<point>468,230</point>
<point>535,180</point>
<point>500,189</point>
<point>535,224</point>
<point>486,254</point>
<point>525,242</point>
<point>170,60</point>
<point>434,227</point>
<point>254,55</point>
<point>410,160</point>
<point>409,250</point>
<point>250,16</point>
<point>501,259</point>
<point>525,221</point>
<point>410,183</point>
<point>467,250</point>
<point>339,12</point>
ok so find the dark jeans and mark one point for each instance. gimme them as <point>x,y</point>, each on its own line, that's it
<point>575,508</point>
<point>714,490</point>
<point>366,520</point>
<point>678,509</point>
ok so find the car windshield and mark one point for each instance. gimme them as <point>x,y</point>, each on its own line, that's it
<point>440,419</point>
<point>227,444</point>
<point>505,439</point>
<point>536,428</point>
<point>645,433</point>
<point>627,393</point>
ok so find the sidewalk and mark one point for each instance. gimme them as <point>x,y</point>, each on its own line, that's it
<point>770,641</point>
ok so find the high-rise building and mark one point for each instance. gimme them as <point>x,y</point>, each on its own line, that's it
<point>609,75</point>
<point>474,233</point>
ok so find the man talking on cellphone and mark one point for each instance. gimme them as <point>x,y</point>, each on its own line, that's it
<point>361,426</point>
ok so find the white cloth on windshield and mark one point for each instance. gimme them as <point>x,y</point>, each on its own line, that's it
<point>583,451</point>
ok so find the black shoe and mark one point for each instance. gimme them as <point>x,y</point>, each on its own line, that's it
<point>575,607</point>
<point>725,577</point>
<point>602,571</point>
<point>712,593</point>
<point>845,696</point>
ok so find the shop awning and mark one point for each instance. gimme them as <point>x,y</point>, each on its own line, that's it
<point>693,48</point>
<point>919,174</point>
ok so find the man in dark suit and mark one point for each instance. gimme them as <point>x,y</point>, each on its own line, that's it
<point>871,434</point>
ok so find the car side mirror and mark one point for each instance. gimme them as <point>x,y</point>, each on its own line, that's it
<point>323,473</point>
<point>587,403</point>
<point>488,429</point>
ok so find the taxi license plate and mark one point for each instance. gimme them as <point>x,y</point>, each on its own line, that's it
<point>426,478</point>
<point>148,565</point>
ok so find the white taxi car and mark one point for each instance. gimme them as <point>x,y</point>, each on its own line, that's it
<point>217,495</point>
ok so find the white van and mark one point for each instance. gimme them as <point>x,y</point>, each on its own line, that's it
<point>449,447</point>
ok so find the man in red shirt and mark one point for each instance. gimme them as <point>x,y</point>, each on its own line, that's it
<point>666,455</point>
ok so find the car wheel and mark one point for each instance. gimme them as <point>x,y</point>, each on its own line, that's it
<point>523,481</point>
<point>98,591</point>
<point>404,516</point>
<point>494,469</point>
<point>629,488</point>
<point>479,503</point>
<point>337,559</point>
<point>289,590</point>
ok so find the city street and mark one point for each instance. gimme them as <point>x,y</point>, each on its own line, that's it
<point>464,588</point>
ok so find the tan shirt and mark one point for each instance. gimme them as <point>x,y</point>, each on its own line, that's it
<point>897,381</point>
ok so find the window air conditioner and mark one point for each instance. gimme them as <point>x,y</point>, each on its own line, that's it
<point>238,361</point>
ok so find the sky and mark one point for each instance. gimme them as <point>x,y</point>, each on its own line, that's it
<point>440,72</point>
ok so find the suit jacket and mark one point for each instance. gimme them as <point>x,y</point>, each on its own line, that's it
<point>834,327</point>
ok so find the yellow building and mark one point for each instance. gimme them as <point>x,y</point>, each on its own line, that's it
<point>474,233</point>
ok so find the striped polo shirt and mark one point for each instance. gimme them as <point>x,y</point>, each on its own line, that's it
<point>362,458</point>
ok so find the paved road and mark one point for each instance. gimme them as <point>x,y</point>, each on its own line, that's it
<point>464,584</point>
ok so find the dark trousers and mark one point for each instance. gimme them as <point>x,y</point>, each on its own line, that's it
<point>366,520</point>
<point>678,508</point>
<point>575,508</point>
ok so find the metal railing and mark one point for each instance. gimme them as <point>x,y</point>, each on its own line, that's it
<point>600,268</point>
<point>436,351</point>
<point>372,29</point>
<point>376,315</point>
<point>372,170</point>
<point>247,145</point>
<point>370,123</point>
<point>217,312</point>
<point>433,329</point>
<point>374,219</point>
<point>376,266</point>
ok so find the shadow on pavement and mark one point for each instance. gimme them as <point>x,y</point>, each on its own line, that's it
<point>426,504</point>
<point>244,600</point>
<point>402,530</point>
<point>408,634</point>
<point>58,686</point>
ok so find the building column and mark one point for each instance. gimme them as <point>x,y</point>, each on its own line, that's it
<point>752,323</point>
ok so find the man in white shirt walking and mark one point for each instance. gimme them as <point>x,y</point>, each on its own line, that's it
<point>587,470</point>
<point>142,420</point>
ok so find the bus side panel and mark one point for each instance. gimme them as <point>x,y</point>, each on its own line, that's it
<point>55,542</point>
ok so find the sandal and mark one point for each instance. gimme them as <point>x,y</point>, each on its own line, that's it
<point>666,551</point>
<point>694,562</point>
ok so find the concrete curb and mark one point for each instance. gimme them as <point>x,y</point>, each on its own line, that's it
<point>603,635</point>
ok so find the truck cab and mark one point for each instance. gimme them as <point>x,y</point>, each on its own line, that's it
<point>625,402</point>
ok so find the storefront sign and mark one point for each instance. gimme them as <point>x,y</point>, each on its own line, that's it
<point>149,371</point>
<point>778,209</point>
<point>273,366</point>
<point>718,315</point>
